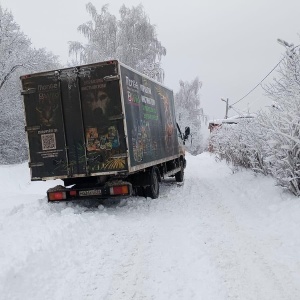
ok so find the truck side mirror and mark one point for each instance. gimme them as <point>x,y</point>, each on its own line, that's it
<point>187,132</point>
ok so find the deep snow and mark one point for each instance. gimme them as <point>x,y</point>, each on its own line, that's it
<point>218,236</point>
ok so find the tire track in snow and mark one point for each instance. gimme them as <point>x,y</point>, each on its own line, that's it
<point>242,258</point>
<point>128,279</point>
<point>170,248</point>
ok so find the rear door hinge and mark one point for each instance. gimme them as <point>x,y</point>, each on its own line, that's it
<point>111,78</point>
<point>37,164</point>
<point>117,117</point>
<point>121,155</point>
<point>28,91</point>
<point>32,128</point>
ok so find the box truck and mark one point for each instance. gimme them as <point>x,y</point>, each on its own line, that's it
<point>104,129</point>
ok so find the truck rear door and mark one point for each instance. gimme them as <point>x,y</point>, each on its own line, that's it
<point>74,122</point>
<point>44,126</point>
<point>103,118</point>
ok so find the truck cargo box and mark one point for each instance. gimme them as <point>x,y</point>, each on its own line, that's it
<point>97,119</point>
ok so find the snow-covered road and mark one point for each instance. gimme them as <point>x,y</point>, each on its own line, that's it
<point>217,236</point>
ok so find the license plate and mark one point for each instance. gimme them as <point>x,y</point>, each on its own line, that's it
<point>90,193</point>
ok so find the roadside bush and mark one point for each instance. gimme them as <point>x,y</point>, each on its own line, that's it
<point>235,144</point>
<point>268,144</point>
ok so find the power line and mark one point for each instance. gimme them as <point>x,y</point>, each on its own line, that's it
<point>258,83</point>
<point>290,47</point>
<point>239,113</point>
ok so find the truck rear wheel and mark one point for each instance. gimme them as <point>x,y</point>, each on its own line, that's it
<point>152,190</point>
<point>180,175</point>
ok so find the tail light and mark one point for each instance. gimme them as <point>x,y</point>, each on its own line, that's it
<point>56,196</point>
<point>119,190</point>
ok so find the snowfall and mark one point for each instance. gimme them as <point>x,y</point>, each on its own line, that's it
<point>219,235</point>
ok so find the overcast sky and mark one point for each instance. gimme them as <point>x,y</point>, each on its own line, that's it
<point>229,44</point>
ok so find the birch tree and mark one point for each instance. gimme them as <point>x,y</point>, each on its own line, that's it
<point>132,39</point>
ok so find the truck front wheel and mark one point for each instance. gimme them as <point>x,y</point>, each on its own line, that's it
<point>152,190</point>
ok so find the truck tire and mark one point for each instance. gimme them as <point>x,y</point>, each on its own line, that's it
<point>152,190</point>
<point>180,175</point>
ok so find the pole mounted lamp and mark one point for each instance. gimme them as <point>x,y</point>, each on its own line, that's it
<point>284,43</point>
<point>290,47</point>
<point>226,113</point>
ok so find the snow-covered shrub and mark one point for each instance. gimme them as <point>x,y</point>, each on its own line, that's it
<point>268,144</point>
<point>282,145</point>
<point>231,142</point>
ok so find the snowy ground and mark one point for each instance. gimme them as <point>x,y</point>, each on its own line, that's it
<point>218,236</point>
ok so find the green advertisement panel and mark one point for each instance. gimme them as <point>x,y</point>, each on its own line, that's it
<point>150,117</point>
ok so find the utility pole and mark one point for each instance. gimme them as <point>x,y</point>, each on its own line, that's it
<point>226,113</point>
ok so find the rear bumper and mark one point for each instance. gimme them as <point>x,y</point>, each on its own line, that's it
<point>110,190</point>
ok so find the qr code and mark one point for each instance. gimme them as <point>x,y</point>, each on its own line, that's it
<point>48,141</point>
